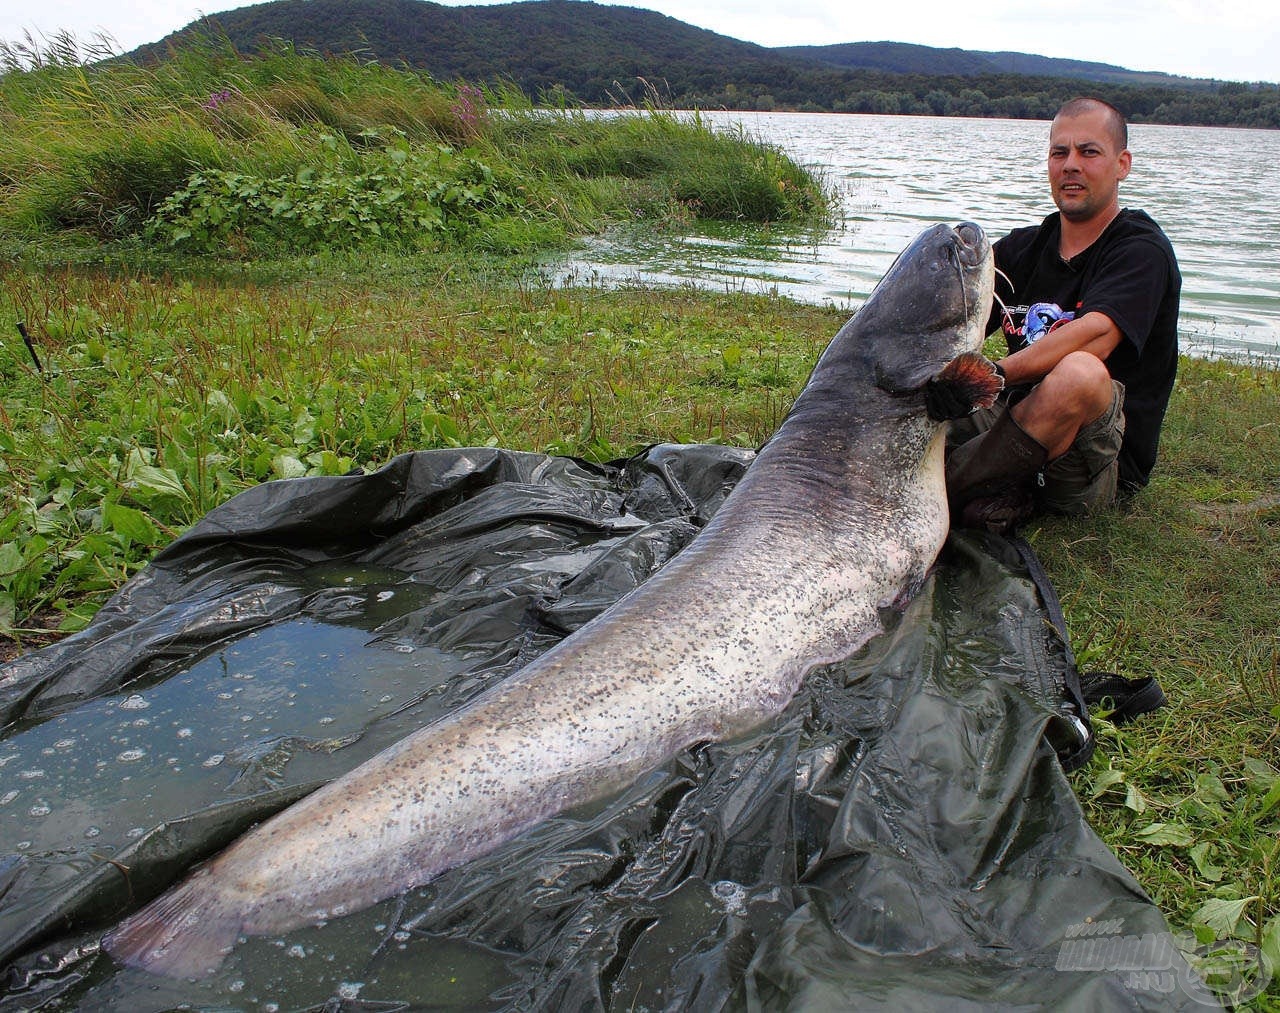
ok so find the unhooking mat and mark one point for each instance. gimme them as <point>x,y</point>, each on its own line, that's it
<point>901,837</point>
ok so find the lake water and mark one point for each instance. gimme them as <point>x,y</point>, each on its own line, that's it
<point>1213,190</point>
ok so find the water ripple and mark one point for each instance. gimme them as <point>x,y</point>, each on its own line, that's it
<point>896,173</point>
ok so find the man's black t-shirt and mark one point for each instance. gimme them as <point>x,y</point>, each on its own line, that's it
<point>1130,273</point>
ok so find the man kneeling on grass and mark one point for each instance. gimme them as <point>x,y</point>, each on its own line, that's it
<point>1088,302</point>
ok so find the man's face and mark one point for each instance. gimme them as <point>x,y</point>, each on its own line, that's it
<point>1085,166</point>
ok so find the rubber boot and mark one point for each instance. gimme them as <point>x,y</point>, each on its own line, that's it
<point>991,478</point>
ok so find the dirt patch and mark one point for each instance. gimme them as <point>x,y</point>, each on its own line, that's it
<point>44,634</point>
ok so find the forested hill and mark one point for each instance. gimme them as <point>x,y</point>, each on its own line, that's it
<point>907,58</point>
<point>588,49</point>
<point>601,55</point>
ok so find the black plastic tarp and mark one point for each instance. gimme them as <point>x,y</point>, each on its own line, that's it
<point>902,836</point>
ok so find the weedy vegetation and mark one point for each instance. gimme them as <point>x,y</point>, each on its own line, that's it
<point>233,270</point>
<point>1180,584</point>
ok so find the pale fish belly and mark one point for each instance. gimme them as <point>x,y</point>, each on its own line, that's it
<point>657,674</point>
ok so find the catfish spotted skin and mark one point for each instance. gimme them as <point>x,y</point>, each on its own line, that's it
<point>841,514</point>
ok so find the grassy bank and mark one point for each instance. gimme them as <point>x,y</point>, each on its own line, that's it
<point>1180,585</point>
<point>211,153</point>
<point>162,397</point>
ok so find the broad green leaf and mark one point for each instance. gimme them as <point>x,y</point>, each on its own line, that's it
<point>440,426</point>
<point>148,482</point>
<point>1269,801</point>
<point>304,428</point>
<point>11,562</point>
<point>1106,779</point>
<point>130,523</point>
<point>74,620</point>
<point>1200,855</point>
<point>1271,942</point>
<point>1165,833</point>
<point>50,520</point>
<point>1261,774</point>
<point>1210,786</point>
<point>1223,916</point>
<point>1134,799</point>
<point>329,463</point>
<point>287,466</point>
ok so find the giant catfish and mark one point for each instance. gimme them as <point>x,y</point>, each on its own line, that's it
<point>841,514</point>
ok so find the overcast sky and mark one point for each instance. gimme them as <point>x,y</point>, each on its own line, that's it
<point>1232,40</point>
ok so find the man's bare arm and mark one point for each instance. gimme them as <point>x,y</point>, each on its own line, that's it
<point>1094,332</point>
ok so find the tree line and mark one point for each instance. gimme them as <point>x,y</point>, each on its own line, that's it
<point>1007,96</point>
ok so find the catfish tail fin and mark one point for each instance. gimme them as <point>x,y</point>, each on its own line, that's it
<point>184,933</point>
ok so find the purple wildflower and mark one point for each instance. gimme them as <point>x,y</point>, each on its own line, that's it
<point>217,98</point>
<point>469,108</point>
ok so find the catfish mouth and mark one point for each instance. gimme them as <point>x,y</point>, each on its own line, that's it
<point>930,306</point>
<point>970,244</point>
<point>969,247</point>
<point>964,246</point>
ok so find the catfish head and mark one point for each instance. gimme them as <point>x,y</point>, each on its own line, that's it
<point>926,315</point>
<point>930,308</point>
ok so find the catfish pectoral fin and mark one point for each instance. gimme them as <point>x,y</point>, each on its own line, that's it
<point>970,381</point>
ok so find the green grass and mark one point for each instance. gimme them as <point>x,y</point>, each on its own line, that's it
<point>1181,584</point>
<point>161,397</point>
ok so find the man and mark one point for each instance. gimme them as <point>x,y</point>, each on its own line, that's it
<point>1090,313</point>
